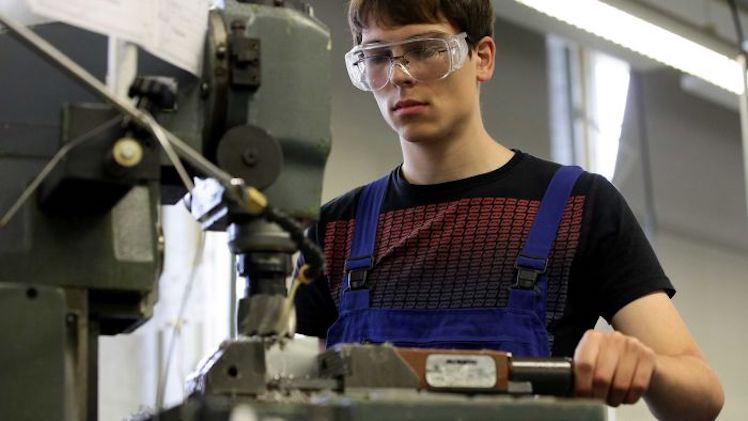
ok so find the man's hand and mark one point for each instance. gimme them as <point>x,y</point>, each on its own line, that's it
<point>650,355</point>
<point>613,367</point>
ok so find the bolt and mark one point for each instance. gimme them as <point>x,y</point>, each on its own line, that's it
<point>250,157</point>
<point>127,152</point>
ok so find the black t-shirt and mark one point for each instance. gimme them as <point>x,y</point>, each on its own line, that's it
<point>453,246</point>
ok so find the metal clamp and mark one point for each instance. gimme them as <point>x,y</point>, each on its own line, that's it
<point>244,57</point>
<point>357,279</point>
<point>527,277</point>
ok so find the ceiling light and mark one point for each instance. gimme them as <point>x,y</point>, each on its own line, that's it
<point>645,38</point>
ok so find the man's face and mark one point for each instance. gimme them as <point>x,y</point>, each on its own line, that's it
<point>425,111</point>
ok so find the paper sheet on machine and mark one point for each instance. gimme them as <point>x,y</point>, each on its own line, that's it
<point>173,30</point>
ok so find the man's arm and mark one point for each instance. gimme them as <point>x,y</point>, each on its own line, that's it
<point>653,355</point>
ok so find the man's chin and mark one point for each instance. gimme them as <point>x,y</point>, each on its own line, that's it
<point>417,135</point>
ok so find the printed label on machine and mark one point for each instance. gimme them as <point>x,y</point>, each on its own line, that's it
<point>460,371</point>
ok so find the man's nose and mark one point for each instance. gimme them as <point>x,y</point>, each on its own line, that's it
<point>400,74</point>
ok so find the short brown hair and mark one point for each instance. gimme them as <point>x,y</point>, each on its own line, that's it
<point>474,17</point>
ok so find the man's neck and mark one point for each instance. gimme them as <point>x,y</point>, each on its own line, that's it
<point>452,159</point>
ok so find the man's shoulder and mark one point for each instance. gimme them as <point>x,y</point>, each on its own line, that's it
<point>343,206</point>
<point>531,176</point>
<point>600,194</point>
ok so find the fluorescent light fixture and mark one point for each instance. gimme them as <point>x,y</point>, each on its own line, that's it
<point>645,38</point>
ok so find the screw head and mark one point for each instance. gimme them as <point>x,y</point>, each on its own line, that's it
<point>127,152</point>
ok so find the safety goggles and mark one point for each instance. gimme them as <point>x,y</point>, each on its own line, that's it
<point>370,67</point>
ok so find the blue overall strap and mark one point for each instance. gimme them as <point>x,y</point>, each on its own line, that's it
<point>354,292</point>
<point>533,259</point>
<point>361,258</point>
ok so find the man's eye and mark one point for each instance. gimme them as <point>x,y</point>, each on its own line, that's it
<point>423,53</point>
<point>377,60</point>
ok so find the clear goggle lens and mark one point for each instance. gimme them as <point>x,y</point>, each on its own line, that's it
<point>423,59</point>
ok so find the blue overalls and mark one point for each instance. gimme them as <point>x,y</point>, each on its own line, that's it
<point>518,328</point>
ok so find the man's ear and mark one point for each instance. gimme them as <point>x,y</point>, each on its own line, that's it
<point>485,52</point>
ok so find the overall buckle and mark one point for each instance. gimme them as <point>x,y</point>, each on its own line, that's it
<point>527,277</point>
<point>357,279</point>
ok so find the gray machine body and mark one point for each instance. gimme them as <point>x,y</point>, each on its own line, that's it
<point>378,405</point>
<point>98,273</point>
<point>115,251</point>
<point>263,379</point>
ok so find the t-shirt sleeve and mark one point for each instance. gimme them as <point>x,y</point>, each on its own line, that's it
<point>315,308</point>
<point>621,264</point>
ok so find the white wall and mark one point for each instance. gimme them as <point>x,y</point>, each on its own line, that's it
<point>701,224</point>
<point>711,279</point>
<point>696,160</point>
<point>712,289</point>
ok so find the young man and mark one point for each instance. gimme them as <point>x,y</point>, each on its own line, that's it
<point>469,244</point>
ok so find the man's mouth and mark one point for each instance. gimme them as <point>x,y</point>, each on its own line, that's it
<point>408,104</point>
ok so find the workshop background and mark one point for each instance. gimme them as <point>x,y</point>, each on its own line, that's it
<point>669,142</point>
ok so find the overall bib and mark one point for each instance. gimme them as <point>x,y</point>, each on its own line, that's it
<point>518,328</point>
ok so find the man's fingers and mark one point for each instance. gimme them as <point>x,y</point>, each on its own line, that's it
<point>608,357</point>
<point>612,367</point>
<point>585,358</point>
<point>624,374</point>
<point>642,377</point>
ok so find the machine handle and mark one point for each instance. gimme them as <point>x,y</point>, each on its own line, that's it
<point>548,376</point>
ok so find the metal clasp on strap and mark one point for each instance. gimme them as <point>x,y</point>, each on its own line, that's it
<point>527,276</point>
<point>356,268</point>
<point>357,279</point>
